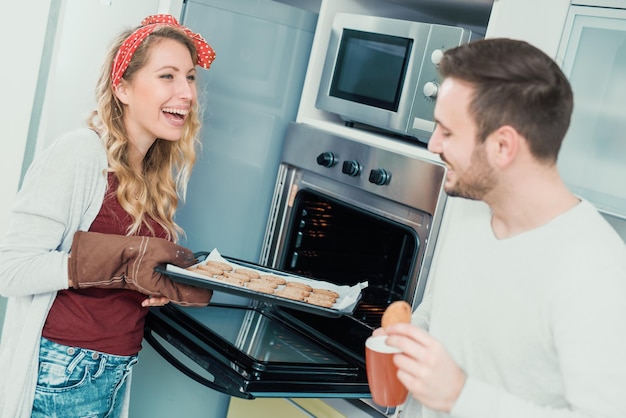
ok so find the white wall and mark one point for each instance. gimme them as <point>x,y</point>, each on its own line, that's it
<point>21,43</point>
<point>22,37</point>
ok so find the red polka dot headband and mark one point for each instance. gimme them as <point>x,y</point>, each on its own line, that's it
<point>206,55</point>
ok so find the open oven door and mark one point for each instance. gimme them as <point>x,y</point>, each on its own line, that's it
<point>255,351</point>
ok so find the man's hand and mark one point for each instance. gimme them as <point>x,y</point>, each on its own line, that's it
<point>425,367</point>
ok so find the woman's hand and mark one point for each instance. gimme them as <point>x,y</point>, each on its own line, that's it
<point>155,301</point>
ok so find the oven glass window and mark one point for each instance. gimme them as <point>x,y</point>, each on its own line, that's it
<point>371,68</point>
<point>332,241</point>
<point>261,338</point>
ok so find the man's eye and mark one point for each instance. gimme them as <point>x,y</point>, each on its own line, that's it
<point>443,132</point>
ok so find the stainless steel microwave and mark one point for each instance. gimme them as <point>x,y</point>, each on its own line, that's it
<point>382,72</point>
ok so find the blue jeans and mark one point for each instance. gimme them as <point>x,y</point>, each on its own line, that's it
<point>74,382</point>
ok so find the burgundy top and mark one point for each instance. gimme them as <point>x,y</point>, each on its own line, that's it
<point>106,320</point>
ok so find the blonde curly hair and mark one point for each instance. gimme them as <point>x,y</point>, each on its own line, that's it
<point>167,165</point>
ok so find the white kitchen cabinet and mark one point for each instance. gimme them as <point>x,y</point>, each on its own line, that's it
<point>538,22</point>
<point>584,37</point>
<point>592,53</point>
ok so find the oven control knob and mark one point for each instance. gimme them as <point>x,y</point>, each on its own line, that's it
<point>327,159</point>
<point>380,176</point>
<point>351,168</point>
<point>431,89</point>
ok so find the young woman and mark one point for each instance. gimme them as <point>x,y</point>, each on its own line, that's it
<point>93,218</point>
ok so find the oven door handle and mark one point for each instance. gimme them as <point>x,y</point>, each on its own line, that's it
<point>232,390</point>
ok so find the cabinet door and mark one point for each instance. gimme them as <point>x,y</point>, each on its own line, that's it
<point>593,155</point>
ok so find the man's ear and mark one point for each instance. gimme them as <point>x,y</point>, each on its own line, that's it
<point>504,145</point>
<point>121,91</point>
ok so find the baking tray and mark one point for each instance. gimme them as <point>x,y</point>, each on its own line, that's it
<point>346,306</point>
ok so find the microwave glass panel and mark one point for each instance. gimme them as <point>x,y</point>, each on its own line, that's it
<point>371,68</point>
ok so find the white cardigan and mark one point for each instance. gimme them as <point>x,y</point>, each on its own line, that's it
<point>62,192</point>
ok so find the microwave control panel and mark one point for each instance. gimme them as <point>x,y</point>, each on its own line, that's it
<point>421,124</point>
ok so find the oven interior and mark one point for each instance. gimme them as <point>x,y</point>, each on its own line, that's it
<point>332,240</point>
<point>335,242</point>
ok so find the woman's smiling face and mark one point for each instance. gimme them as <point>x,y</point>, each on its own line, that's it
<point>160,95</point>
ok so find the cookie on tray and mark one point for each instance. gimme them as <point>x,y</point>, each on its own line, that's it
<point>267,283</point>
<point>325,292</point>
<point>293,293</point>
<point>219,264</point>
<point>299,285</point>
<point>247,272</point>
<point>319,301</point>
<point>209,270</point>
<point>323,296</point>
<point>259,286</point>
<point>230,280</point>
<point>273,278</point>
<point>239,276</point>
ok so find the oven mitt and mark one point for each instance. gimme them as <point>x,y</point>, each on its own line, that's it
<point>128,262</point>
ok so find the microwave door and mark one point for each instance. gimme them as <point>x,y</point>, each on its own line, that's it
<point>251,352</point>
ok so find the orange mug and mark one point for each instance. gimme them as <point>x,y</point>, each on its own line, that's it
<point>382,378</point>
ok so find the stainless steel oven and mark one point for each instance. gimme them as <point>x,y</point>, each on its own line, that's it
<point>344,211</point>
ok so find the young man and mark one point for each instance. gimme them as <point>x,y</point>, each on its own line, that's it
<point>526,315</point>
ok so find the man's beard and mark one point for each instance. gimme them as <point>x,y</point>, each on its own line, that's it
<point>475,182</point>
